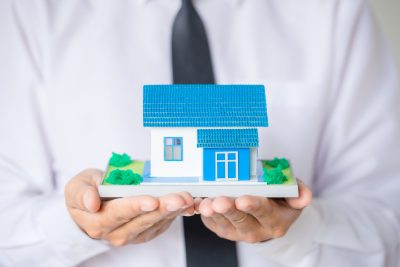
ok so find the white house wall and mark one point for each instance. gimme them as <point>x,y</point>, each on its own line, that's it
<point>192,163</point>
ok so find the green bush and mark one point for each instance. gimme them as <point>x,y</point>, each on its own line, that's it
<point>124,177</point>
<point>284,163</point>
<point>275,176</point>
<point>120,160</point>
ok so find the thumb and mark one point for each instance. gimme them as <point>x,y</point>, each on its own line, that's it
<point>81,191</point>
<point>304,198</point>
<point>91,199</point>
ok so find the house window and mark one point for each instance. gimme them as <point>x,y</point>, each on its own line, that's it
<point>173,149</point>
<point>226,165</point>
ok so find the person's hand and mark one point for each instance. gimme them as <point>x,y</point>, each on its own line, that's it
<point>252,219</point>
<point>124,220</point>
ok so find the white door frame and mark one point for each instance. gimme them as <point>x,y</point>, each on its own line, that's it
<point>226,161</point>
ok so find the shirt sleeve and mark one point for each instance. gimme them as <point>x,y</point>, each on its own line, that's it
<point>36,229</point>
<point>354,219</point>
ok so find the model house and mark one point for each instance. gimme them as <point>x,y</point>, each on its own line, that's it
<point>203,130</point>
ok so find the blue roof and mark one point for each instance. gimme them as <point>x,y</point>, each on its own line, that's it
<point>204,105</point>
<point>227,138</point>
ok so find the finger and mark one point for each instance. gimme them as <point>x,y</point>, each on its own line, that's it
<point>197,202</point>
<point>169,206</point>
<point>151,233</point>
<point>163,228</point>
<point>223,204</point>
<point>206,209</point>
<point>115,213</point>
<point>209,223</point>
<point>81,191</point>
<point>129,231</point>
<point>305,197</point>
<point>239,219</point>
<point>258,207</point>
<point>189,201</point>
<point>122,210</point>
<point>215,226</point>
<point>173,202</point>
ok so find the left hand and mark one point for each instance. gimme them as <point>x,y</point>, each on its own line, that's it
<point>252,219</point>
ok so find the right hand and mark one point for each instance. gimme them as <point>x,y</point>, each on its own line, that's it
<point>122,221</point>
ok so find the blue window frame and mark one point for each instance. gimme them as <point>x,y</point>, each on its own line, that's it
<point>226,165</point>
<point>173,148</point>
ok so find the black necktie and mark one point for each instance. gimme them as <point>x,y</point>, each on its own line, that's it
<point>191,62</point>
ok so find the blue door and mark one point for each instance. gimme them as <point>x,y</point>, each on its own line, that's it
<point>226,165</point>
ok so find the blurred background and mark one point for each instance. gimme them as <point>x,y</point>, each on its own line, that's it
<point>388,15</point>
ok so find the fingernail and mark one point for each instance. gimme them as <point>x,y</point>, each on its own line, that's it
<point>172,208</point>
<point>189,214</point>
<point>185,207</point>
<point>146,207</point>
<point>87,200</point>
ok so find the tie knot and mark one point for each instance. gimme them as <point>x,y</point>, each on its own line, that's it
<point>191,57</point>
<point>187,4</point>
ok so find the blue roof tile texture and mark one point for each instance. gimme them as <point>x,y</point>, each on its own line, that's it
<point>227,138</point>
<point>204,105</point>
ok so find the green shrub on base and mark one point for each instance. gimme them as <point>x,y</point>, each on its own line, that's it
<point>124,177</point>
<point>275,176</point>
<point>120,160</point>
<point>284,163</point>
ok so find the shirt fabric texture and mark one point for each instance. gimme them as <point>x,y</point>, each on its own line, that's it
<point>71,78</point>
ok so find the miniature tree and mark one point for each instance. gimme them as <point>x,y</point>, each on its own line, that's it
<point>284,163</point>
<point>120,160</point>
<point>275,176</point>
<point>124,177</point>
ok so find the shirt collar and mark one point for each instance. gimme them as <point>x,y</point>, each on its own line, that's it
<point>233,3</point>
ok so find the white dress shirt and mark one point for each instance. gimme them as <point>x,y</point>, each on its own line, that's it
<point>71,77</point>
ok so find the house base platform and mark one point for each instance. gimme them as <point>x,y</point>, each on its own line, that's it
<point>158,186</point>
